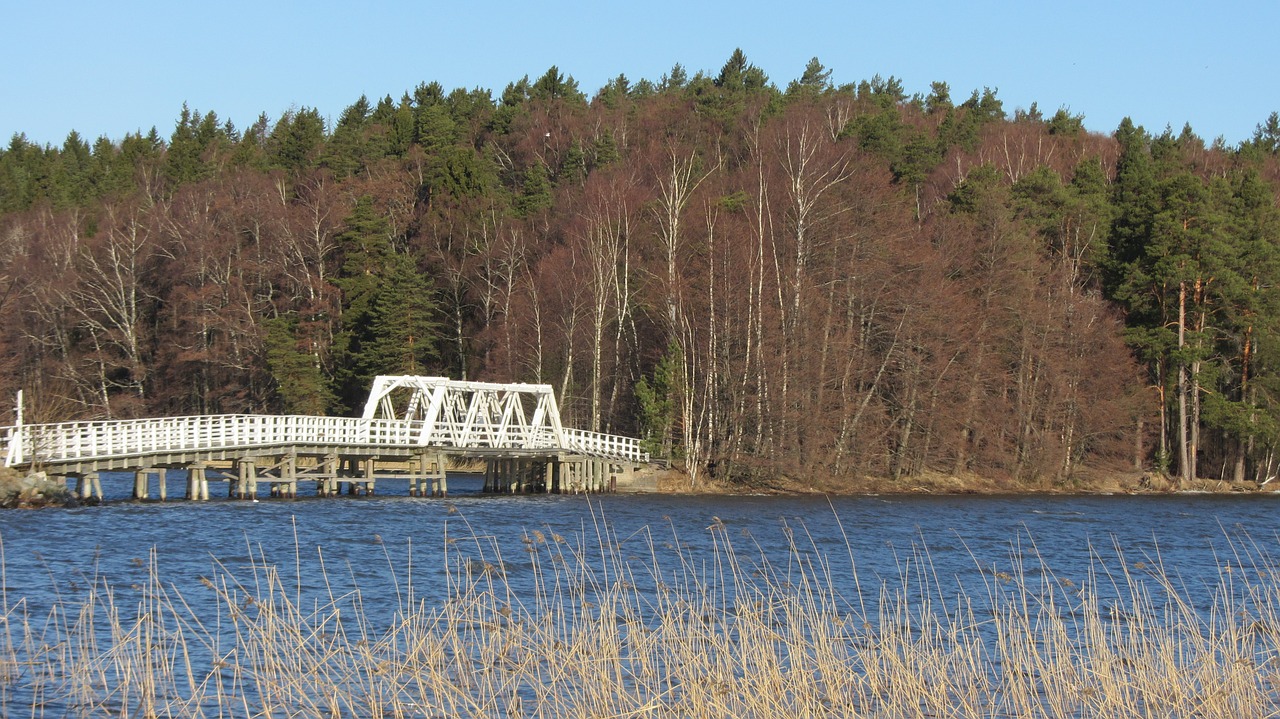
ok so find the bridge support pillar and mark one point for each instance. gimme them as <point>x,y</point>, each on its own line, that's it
<point>496,475</point>
<point>161,477</point>
<point>566,476</point>
<point>246,484</point>
<point>287,481</point>
<point>431,479</point>
<point>197,483</point>
<point>142,483</point>
<point>542,476</point>
<point>327,484</point>
<point>87,485</point>
<point>504,475</point>
<point>289,472</point>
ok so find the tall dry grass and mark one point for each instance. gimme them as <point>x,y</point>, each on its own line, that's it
<point>599,629</point>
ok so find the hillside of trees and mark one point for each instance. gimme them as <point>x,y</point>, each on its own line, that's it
<point>807,280</point>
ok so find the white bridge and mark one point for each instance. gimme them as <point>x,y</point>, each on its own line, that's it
<point>404,416</point>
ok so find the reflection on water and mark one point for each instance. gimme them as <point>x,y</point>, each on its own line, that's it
<point>388,548</point>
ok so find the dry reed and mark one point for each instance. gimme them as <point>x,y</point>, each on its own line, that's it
<point>597,630</point>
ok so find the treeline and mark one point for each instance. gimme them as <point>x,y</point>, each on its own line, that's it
<point>844,281</point>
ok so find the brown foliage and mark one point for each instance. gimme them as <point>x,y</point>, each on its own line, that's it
<point>817,317</point>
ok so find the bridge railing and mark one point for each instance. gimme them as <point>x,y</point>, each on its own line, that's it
<point>68,441</point>
<point>76,441</point>
<point>605,445</point>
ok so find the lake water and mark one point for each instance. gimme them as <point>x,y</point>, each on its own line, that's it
<point>382,544</point>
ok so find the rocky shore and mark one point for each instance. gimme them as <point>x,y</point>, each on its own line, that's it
<point>33,490</point>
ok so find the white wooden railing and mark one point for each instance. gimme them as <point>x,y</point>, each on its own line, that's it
<point>79,441</point>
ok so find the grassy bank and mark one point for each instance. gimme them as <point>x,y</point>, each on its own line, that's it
<point>639,628</point>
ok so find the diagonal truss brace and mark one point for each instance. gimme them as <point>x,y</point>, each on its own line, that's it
<point>470,414</point>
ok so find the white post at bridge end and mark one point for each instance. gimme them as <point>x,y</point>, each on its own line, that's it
<point>16,454</point>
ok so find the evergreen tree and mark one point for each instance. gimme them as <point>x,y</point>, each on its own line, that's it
<point>296,141</point>
<point>435,130</point>
<point>73,175</point>
<point>251,151</point>
<point>815,80</point>
<point>657,404</point>
<point>18,163</point>
<point>605,149</point>
<point>1064,123</point>
<point>674,80</point>
<point>738,75</point>
<point>347,152</point>
<point>939,98</point>
<point>183,161</point>
<point>388,309</point>
<point>365,247</point>
<point>614,91</point>
<point>535,194</point>
<point>1134,198</point>
<point>300,382</point>
<point>403,330</point>
<point>555,86</point>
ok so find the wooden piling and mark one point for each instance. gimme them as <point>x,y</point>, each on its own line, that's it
<point>246,484</point>
<point>197,483</point>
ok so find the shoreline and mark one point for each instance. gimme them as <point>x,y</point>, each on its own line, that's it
<point>37,491</point>
<point>677,482</point>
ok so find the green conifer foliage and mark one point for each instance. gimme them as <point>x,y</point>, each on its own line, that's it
<point>389,310</point>
<point>297,139</point>
<point>300,381</point>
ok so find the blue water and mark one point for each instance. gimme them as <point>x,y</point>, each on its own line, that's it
<point>371,538</point>
<point>385,543</point>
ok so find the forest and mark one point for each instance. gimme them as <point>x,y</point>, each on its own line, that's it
<point>762,281</point>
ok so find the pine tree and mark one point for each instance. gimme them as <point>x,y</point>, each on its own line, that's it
<point>815,80</point>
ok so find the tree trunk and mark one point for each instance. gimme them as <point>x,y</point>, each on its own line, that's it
<point>1184,445</point>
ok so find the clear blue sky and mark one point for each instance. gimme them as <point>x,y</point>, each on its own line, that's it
<point>111,68</point>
